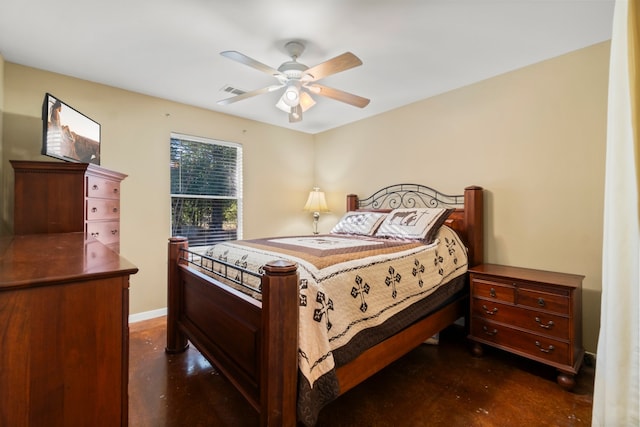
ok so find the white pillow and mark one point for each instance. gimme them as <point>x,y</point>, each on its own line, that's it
<point>413,223</point>
<point>360,223</point>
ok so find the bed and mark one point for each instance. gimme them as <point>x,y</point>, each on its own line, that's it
<point>251,324</point>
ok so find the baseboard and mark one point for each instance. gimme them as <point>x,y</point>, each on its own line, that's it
<point>146,315</point>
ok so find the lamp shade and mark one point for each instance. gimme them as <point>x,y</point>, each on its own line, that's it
<point>316,201</point>
<point>306,101</point>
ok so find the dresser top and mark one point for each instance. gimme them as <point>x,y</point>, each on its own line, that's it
<point>529,274</point>
<point>34,166</point>
<point>48,259</point>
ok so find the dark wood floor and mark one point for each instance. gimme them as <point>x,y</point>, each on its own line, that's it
<point>432,386</point>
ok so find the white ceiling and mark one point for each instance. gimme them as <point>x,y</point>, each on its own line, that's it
<point>410,50</point>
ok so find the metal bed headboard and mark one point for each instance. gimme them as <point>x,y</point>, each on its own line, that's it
<point>410,196</point>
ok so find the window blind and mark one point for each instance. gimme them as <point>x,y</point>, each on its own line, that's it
<point>206,190</point>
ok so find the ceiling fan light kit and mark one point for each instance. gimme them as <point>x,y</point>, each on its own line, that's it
<point>291,95</point>
<point>299,81</point>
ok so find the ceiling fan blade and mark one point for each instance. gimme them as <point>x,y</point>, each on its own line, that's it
<point>249,94</point>
<point>244,59</point>
<point>332,66</point>
<point>338,95</point>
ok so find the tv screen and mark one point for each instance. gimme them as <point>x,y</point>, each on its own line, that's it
<point>68,134</point>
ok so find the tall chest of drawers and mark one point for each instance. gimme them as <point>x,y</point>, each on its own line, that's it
<point>57,197</point>
<point>532,313</point>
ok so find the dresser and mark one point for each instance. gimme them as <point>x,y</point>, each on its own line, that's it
<point>62,197</point>
<point>64,307</point>
<point>532,313</point>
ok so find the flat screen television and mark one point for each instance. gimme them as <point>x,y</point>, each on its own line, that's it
<point>68,134</point>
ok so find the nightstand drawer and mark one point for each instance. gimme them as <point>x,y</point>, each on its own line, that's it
<point>492,290</point>
<point>539,323</point>
<point>525,343</point>
<point>544,300</point>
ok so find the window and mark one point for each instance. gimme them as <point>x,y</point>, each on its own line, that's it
<point>206,190</point>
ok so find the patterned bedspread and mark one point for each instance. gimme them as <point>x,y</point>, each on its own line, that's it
<point>349,287</point>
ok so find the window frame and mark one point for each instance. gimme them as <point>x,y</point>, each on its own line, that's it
<point>239,181</point>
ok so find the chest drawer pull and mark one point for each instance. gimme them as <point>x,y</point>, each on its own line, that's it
<point>492,292</point>
<point>95,187</point>
<point>545,350</point>
<point>489,332</point>
<point>541,302</point>
<point>94,209</point>
<point>95,234</point>
<point>115,210</point>
<point>489,312</point>
<point>549,324</point>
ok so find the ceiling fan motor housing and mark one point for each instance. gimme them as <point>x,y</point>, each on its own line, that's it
<point>293,69</point>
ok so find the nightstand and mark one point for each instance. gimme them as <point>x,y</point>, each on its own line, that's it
<point>531,313</point>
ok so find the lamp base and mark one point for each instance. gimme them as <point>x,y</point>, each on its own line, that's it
<point>316,217</point>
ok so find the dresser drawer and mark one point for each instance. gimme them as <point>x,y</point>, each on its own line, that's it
<point>492,290</point>
<point>102,188</point>
<point>542,323</point>
<point>103,209</point>
<point>106,232</point>
<point>526,343</point>
<point>547,300</point>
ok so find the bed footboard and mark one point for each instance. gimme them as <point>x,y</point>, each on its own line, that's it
<point>254,344</point>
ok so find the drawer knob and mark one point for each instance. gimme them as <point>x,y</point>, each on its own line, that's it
<point>115,210</point>
<point>547,326</point>
<point>95,234</point>
<point>95,187</point>
<point>489,312</point>
<point>492,292</point>
<point>115,191</point>
<point>541,302</point>
<point>545,350</point>
<point>489,332</point>
<point>114,232</point>
<point>94,209</point>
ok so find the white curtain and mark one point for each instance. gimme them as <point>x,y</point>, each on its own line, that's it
<point>616,398</point>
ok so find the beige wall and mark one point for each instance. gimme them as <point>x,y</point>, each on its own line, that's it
<point>278,164</point>
<point>533,138</point>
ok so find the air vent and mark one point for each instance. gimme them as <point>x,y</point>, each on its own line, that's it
<point>232,90</point>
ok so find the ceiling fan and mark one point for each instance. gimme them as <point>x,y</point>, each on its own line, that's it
<point>299,80</point>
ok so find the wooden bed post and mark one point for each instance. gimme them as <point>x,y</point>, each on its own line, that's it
<point>176,339</point>
<point>474,223</point>
<point>352,202</point>
<point>279,361</point>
